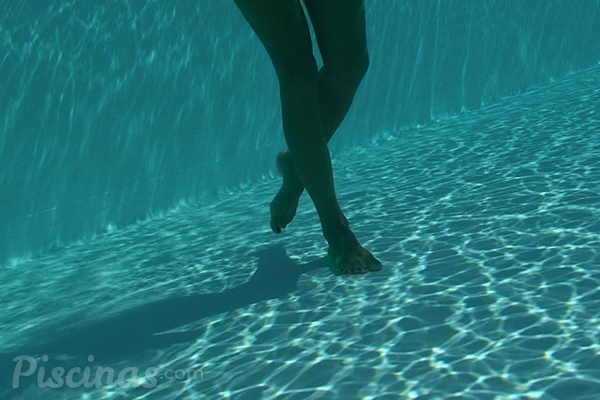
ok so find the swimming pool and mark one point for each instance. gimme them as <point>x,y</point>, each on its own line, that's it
<point>487,225</point>
<point>486,221</point>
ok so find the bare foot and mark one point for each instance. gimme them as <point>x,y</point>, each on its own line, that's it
<point>284,205</point>
<point>347,256</point>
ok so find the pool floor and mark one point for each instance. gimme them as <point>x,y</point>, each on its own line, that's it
<point>488,225</point>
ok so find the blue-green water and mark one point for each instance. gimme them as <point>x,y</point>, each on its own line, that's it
<point>487,223</point>
<point>488,227</point>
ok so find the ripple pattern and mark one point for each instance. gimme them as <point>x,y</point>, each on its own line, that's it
<point>488,227</point>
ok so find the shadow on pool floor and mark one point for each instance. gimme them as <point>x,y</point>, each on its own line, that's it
<point>135,331</point>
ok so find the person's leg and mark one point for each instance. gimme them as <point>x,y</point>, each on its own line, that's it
<point>340,28</point>
<point>282,28</point>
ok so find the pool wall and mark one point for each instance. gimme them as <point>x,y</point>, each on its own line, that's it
<point>114,110</point>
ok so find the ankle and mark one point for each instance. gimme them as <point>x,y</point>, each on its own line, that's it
<point>338,231</point>
<point>293,187</point>
<point>285,165</point>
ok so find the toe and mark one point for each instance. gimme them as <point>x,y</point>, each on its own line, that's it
<point>335,267</point>
<point>353,268</point>
<point>338,270</point>
<point>376,266</point>
<point>275,226</point>
<point>363,269</point>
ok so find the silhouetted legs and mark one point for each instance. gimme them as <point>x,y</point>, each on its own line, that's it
<point>341,34</point>
<point>314,103</point>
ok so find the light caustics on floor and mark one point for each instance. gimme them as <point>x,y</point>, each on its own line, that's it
<point>489,229</point>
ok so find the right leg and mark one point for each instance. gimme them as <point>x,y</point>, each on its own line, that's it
<point>282,28</point>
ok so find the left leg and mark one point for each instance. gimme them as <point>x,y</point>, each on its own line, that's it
<point>340,28</point>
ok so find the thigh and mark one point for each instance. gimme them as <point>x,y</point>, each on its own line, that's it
<point>340,27</point>
<point>283,29</point>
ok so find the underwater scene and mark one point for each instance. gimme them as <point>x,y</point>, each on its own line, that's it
<point>142,155</point>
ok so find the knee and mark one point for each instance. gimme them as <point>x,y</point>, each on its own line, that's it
<point>360,67</point>
<point>351,71</point>
<point>297,71</point>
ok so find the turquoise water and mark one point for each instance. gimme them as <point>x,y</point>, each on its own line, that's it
<point>486,220</point>
<point>487,224</point>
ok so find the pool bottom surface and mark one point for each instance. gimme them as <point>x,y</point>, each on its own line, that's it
<point>488,227</point>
